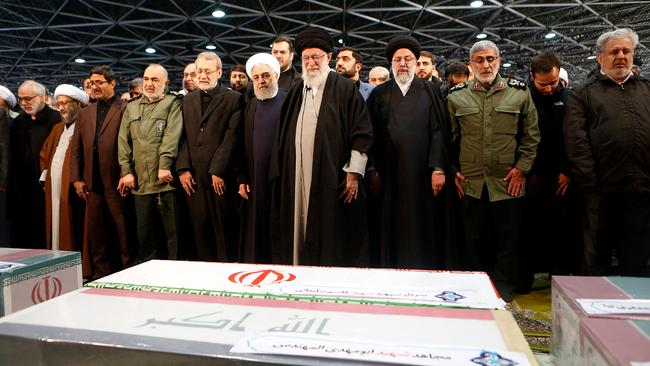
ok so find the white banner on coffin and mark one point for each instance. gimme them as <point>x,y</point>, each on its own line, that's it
<point>220,323</point>
<point>439,355</point>
<point>458,289</point>
<point>615,306</point>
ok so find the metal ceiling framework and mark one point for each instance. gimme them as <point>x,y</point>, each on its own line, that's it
<point>42,39</point>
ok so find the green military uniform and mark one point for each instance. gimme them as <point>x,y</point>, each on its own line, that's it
<point>496,130</point>
<point>148,141</point>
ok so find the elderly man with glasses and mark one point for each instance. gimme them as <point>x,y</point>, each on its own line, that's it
<point>323,138</point>
<point>28,133</point>
<point>64,216</point>
<point>495,137</point>
<point>211,118</point>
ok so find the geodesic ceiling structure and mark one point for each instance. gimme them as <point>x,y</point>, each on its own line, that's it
<point>48,40</point>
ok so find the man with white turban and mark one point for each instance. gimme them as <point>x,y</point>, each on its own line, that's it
<point>64,211</point>
<point>261,118</point>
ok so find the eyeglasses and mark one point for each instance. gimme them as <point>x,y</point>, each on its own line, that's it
<point>97,83</point>
<point>27,99</point>
<point>407,59</point>
<point>315,58</point>
<point>64,103</point>
<point>206,72</point>
<point>481,60</point>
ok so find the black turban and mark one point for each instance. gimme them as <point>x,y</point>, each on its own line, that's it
<point>402,41</point>
<point>313,37</point>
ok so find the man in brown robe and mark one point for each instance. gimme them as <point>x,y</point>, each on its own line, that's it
<point>63,209</point>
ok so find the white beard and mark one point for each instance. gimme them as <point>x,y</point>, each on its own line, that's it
<point>266,93</point>
<point>315,80</point>
<point>403,79</point>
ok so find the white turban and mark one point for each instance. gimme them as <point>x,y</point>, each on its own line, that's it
<point>262,58</point>
<point>7,95</point>
<point>564,75</point>
<point>72,92</point>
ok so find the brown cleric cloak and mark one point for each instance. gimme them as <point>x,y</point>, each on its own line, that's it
<point>72,208</point>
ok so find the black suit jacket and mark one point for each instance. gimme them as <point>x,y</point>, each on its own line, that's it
<point>209,138</point>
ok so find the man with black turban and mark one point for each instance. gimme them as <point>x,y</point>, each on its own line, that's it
<point>319,159</point>
<point>408,159</point>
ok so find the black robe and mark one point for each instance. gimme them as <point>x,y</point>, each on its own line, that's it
<point>410,142</point>
<point>255,155</point>
<point>207,149</point>
<point>336,232</point>
<point>288,78</point>
<point>26,197</point>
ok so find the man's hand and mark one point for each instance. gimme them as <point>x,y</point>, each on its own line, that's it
<point>516,182</point>
<point>351,187</point>
<point>437,182</point>
<point>374,180</point>
<point>165,176</point>
<point>188,182</point>
<point>219,185</point>
<point>243,190</point>
<point>458,180</point>
<point>81,188</point>
<point>563,183</point>
<point>3,189</point>
<point>126,184</point>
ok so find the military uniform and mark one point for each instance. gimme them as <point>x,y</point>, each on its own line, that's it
<point>148,141</point>
<point>493,131</point>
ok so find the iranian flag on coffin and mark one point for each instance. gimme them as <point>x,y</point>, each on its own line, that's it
<point>577,299</point>
<point>32,276</point>
<point>108,326</point>
<point>358,285</point>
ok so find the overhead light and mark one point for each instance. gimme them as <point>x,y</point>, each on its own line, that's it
<point>592,57</point>
<point>476,4</point>
<point>79,60</point>
<point>341,40</point>
<point>150,50</point>
<point>218,14</point>
<point>210,46</point>
<point>481,36</point>
<point>550,35</point>
<point>507,64</point>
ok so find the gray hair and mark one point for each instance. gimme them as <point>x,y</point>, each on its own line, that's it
<point>210,56</point>
<point>380,69</point>
<point>617,34</point>
<point>37,88</point>
<point>136,82</point>
<point>483,46</point>
<point>163,69</point>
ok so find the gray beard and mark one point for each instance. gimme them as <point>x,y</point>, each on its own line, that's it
<point>266,93</point>
<point>315,81</point>
<point>404,79</point>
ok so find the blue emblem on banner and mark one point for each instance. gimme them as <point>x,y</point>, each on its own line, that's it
<point>488,358</point>
<point>449,296</point>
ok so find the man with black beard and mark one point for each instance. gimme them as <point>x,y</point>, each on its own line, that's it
<point>348,64</point>
<point>553,215</point>
<point>324,135</point>
<point>409,159</point>
<point>261,118</point>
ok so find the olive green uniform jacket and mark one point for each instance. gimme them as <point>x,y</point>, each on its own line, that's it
<point>148,141</point>
<point>492,131</point>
